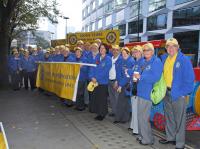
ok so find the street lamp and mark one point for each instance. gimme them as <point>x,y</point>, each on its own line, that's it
<point>138,22</point>
<point>66,18</point>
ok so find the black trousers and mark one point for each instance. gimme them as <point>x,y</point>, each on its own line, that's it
<point>15,80</point>
<point>29,77</point>
<point>100,96</point>
<point>80,104</point>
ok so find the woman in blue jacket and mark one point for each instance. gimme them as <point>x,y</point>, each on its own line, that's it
<point>30,67</point>
<point>79,58</point>
<point>100,75</point>
<point>14,68</point>
<point>123,107</point>
<point>137,54</point>
<point>151,73</point>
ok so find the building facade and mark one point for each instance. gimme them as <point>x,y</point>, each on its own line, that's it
<point>158,19</point>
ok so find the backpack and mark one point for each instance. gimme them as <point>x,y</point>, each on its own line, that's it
<point>159,90</point>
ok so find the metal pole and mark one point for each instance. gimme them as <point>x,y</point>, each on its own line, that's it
<point>138,22</point>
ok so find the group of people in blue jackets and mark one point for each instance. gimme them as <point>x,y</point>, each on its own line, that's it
<point>121,75</point>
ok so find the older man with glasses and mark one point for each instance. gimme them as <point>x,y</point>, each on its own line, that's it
<point>179,77</point>
<point>150,73</point>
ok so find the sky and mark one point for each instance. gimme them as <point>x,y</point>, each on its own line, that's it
<point>73,10</point>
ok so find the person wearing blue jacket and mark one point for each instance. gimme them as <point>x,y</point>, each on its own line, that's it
<point>79,58</point>
<point>123,107</point>
<point>100,75</point>
<point>151,73</point>
<point>94,48</point>
<point>29,65</point>
<point>14,68</point>
<point>137,54</point>
<point>179,78</point>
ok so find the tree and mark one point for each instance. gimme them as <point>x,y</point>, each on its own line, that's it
<point>17,16</point>
<point>42,42</point>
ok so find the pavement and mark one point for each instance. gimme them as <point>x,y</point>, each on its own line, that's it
<point>33,120</point>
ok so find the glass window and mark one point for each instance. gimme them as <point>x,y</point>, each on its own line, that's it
<point>188,16</point>
<point>120,2</point>
<point>134,9</point>
<point>100,24</point>
<point>189,43</point>
<point>156,4</point>
<point>92,6</point>
<point>92,26</point>
<point>100,2</point>
<point>156,37</point>
<point>109,7</point>
<point>157,22</point>
<point>108,20</point>
<point>177,2</point>
<point>122,29</point>
<point>133,27</point>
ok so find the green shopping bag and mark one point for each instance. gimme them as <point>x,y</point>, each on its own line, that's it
<point>159,90</point>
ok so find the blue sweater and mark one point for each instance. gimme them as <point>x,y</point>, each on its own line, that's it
<point>151,73</point>
<point>101,71</point>
<point>14,64</point>
<point>183,76</point>
<point>123,64</point>
<point>29,65</point>
<point>83,70</point>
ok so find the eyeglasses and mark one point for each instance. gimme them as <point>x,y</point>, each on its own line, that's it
<point>171,47</point>
<point>147,50</point>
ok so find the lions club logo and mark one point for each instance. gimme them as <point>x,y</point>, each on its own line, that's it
<point>72,39</point>
<point>111,37</point>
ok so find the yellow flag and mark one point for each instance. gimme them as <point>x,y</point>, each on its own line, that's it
<point>59,78</point>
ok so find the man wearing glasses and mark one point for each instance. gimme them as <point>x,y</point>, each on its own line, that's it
<point>179,77</point>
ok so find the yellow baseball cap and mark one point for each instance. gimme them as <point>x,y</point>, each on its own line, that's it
<point>115,47</point>
<point>80,42</point>
<point>126,49</point>
<point>95,45</point>
<point>91,86</point>
<point>138,48</point>
<point>172,40</point>
<point>148,45</point>
<point>78,48</point>
<point>97,40</point>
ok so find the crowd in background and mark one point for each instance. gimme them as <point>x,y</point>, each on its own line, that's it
<point>121,75</point>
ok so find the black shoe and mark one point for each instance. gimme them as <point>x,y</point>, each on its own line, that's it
<point>138,139</point>
<point>80,109</point>
<point>99,118</point>
<point>134,134</point>
<point>164,141</point>
<point>130,129</point>
<point>111,115</point>
<point>145,143</point>
<point>115,122</point>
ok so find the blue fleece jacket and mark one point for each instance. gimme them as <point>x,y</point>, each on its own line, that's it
<point>151,73</point>
<point>101,71</point>
<point>84,69</point>
<point>14,64</point>
<point>183,76</point>
<point>29,64</point>
<point>123,64</point>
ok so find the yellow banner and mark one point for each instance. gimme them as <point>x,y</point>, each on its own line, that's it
<point>59,78</point>
<point>106,36</point>
<point>58,42</point>
<point>3,139</point>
